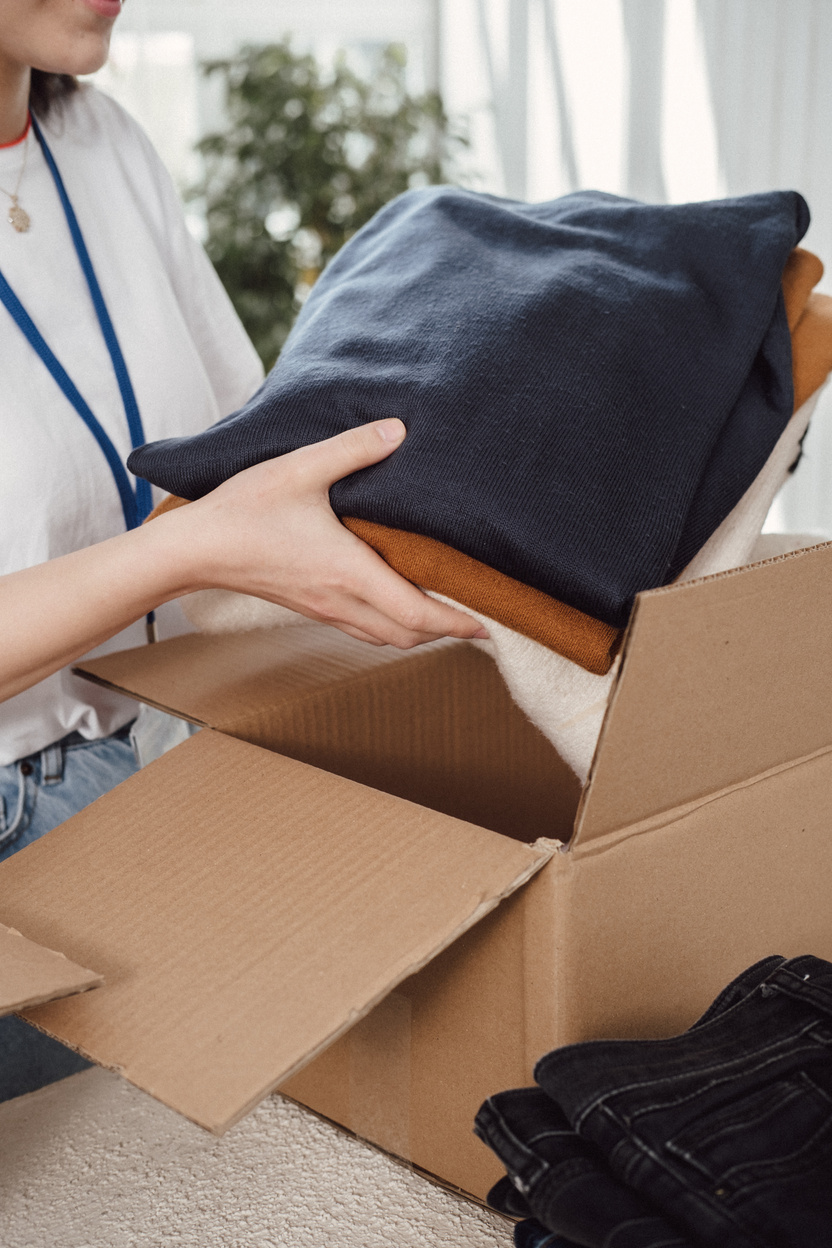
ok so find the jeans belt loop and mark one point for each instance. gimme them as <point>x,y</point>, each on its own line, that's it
<point>52,764</point>
<point>8,827</point>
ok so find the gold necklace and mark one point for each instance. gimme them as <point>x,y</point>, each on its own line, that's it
<point>18,217</point>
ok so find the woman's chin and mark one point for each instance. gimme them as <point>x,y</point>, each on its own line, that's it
<point>78,56</point>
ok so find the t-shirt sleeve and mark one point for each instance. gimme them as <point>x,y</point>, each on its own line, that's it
<point>231,362</point>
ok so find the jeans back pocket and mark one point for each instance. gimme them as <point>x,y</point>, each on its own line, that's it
<point>763,1135</point>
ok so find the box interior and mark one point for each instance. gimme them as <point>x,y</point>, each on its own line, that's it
<point>719,682</point>
<point>435,726</point>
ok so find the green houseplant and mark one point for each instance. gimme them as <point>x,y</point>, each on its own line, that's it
<point>307,157</point>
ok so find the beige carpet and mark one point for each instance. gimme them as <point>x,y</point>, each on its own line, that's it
<point>93,1163</point>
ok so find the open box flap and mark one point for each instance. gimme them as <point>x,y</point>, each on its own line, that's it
<point>30,974</point>
<point>723,679</point>
<point>435,725</point>
<point>245,909</point>
<point>224,681</point>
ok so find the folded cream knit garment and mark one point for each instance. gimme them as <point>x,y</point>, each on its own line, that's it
<point>568,703</point>
<point>223,611</point>
<point>563,700</point>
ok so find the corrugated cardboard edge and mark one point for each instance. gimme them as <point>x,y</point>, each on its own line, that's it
<point>340,648</point>
<point>670,814</point>
<point>83,674</point>
<point>626,645</point>
<point>542,850</point>
<point>674,814</point>
<point>788,557</point>
<point>46,974</point>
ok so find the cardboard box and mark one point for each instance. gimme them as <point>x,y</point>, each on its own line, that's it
<point>31,975</point>
<point>306,894</point>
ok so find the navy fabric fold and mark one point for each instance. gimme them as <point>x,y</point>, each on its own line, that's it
<point>590,385</point>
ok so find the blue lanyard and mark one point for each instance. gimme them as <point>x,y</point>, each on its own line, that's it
<point>135,503</point>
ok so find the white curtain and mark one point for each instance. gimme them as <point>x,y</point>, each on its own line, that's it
<point>769,64</point>
<point>665,100</point>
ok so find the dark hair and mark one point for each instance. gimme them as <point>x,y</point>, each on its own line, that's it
<point>46,90</point>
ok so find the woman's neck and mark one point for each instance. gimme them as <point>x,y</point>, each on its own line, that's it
<point>14,99</point>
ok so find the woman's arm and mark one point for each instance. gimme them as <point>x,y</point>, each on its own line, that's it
<point>268,531</point>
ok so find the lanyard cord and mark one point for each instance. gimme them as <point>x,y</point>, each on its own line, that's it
<point>135,505</point>
<point>22,318</point>
<point>128,397</point>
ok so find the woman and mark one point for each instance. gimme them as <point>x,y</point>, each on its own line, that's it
<point>115,330</point>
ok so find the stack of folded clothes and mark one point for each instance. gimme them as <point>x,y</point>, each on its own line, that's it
<point>601,397</point>
<point>718,1138</point>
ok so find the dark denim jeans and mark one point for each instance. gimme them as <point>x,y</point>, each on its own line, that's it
<point>719,1137</point>
<point>563,1180</point>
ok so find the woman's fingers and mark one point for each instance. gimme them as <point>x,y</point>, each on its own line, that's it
<point>358,634</point>
<point>375,628</point>
<point>412,613</point>
<point>377,601</point>
<point>270,531</point>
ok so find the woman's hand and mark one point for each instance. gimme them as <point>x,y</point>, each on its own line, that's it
<point>269,531</point>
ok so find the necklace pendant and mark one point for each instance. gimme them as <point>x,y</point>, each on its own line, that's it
<point>19,218</point>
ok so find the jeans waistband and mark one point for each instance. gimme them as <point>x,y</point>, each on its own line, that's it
<point>75,738</point>
<point>771,1023</point>
<point>51,757</point>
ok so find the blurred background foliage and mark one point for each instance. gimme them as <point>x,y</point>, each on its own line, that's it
<point>309,155</point>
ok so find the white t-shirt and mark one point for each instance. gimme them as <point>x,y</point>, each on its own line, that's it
<point>188,356</point>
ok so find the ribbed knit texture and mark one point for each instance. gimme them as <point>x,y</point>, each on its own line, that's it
<point>590,385</point>
<point>435,566</point>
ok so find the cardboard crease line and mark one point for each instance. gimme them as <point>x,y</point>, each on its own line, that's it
<point>666,818</point>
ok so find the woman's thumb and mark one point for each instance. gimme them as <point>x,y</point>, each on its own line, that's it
<point>329,461</point>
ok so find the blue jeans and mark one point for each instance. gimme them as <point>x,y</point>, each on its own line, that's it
<point>41,791</point>
<point>720,1136</point>
<point>36,794</point>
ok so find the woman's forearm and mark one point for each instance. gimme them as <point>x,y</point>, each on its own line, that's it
<point>54,612</point>
<point>269,531</point>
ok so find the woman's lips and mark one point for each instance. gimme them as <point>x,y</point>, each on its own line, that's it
<point>104,8</point>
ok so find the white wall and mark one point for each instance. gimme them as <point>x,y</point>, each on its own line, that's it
<point>770,68</point>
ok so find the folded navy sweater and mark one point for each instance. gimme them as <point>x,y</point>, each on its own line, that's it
<point>589,385</point>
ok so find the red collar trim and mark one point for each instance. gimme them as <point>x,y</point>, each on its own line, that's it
<point>21,137</point>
